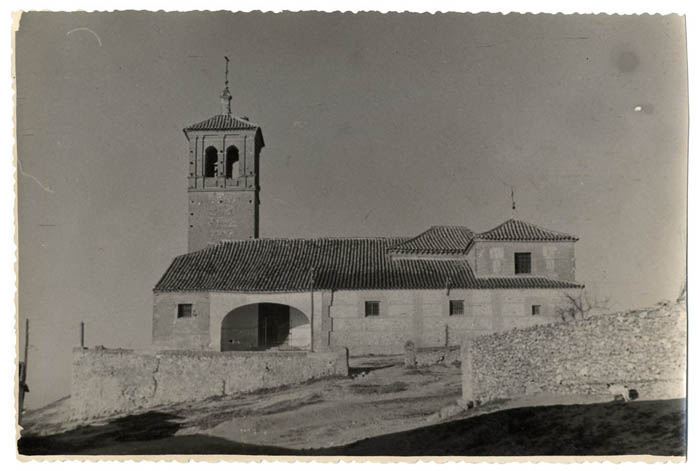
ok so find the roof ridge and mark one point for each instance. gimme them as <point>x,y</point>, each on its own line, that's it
<point>540,227</point>
<point>452,226</point>
<point>410,239</point>
<point>212,121</point>
<point>317,238</point>
<point>223,242</point>
<point>243,118</point>
<point>447,234</point>
<point>512,219</point>
<point>496,227</point>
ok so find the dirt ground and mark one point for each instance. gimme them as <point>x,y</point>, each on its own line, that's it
<point>380,396</point>
<point>382,408</point>
<point>607,428</point>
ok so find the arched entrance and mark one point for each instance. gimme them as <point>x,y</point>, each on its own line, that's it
<point>265,326</point>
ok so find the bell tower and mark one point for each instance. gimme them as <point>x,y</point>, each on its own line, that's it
<point>223,178</point>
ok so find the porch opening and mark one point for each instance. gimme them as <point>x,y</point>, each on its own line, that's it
<point>265,326</point>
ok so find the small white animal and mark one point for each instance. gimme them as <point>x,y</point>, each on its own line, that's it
<point>619,390</point>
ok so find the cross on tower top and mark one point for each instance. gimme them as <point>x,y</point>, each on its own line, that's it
<point>226,94</point>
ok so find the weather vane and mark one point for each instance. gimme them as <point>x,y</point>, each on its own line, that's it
<point>226,94</point>
<point>226,79</point>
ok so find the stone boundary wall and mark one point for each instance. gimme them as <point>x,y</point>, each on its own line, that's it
<point>642,349</point>
<point>109,381</point>
<point>417,357</point>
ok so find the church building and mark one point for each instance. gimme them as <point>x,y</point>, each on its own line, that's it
<point>235,291</point>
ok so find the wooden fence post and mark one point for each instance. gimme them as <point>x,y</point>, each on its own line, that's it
<point>22,383</point>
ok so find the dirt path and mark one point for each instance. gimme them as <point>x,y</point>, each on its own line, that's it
<point>379,397</point>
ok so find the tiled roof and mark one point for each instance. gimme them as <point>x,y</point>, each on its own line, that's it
<point>222,122</point>
<point>515,230</point>
<point>350,264</point>
<point>437,240</point>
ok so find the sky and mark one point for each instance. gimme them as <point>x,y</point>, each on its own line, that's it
<point>375,125</point>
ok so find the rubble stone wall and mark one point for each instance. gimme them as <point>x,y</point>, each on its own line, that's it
<point>641,349</point>
<point>107,381</point>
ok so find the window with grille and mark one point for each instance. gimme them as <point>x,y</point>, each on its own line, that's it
<point>536,309</point>
<point>523,262</point>
<point>184,310</point>
<point>371,308</point>
<point>456,307</point>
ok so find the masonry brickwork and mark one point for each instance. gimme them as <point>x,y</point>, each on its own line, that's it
<point>221,215</point>
<point>339,320</point>
<point>552,259</point>
<point>172,332</point>
<point>642,349</point>
<point>423,317</point>
<point>223,206</point>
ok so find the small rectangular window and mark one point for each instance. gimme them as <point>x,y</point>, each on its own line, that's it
<point>456,307</point>
<point>184,310</point>
<point>522,262</point>
<point>371,308</point>
<point>536,309</point>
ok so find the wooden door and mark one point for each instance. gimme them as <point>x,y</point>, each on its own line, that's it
<point>273,325</point>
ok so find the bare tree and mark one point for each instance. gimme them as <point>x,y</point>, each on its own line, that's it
<point>579,306</point>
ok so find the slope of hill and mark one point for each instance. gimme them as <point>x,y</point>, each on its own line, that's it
<point>612,428</point>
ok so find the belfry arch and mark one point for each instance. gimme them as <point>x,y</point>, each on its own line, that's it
<point>265,326</point>
<point>232,162</point>
<point>211,159</point>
